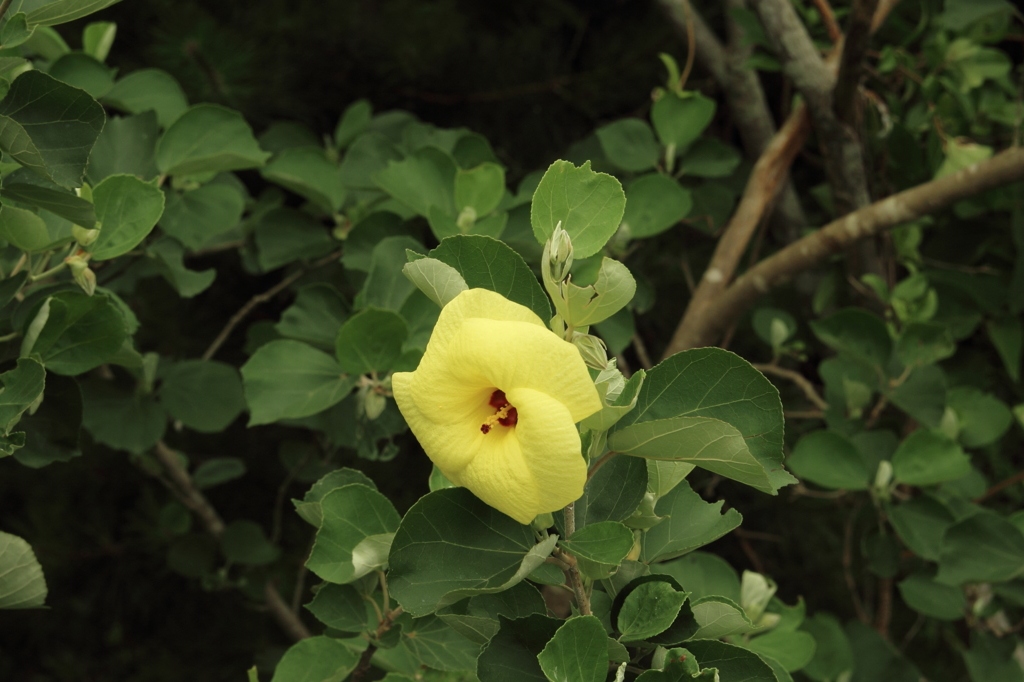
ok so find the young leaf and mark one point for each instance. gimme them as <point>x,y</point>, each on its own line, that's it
<point>49,127</point>
<point>680,119</point>
<point>718,617</point>
<point>983,418</point>
<point>577,653</point>
<point>208,138</point>
<point>654,203</point>
<point>588,205</point>
<point>479,188</point>
<point>439,281</point>
<point>289,379</point>
<point>692,523</point>
<point>648,610</point>
<point>21,577</point>
<point>629,144</point>
<point>357,523</point>
<point>127,210</point>
<point>81,332</point>
<point>589,305</point>
<point>319,658</point>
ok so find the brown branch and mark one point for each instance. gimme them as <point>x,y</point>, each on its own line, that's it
<point>828,17</point>
<point>256,300</point>
<point>858,31</point>
<point>764,182</point>
<point>185,490</point>
<point>884,614</point>
<point>363,666</point>
<point>884,8</point>
<point>838,235</point>
<point>799,379</point>
<point>999,487</point>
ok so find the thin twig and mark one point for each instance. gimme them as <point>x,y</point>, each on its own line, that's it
<point>300,579</point>
<point>799,379</point>
<point>998,487</point>
<point>803,414</point>
<point>364,660</point>
<point>600,463</point>
<point>263,298</point>
<point>216,248</point>
<point>884,614</point>
<point>851,583</point>
<point>691,44</point>
<point>641,352</point>
<point>290,622</point>
<point>835,34</point>
<point>575,579</point>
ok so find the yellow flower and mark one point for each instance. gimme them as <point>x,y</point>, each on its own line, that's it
<point>494,403</point>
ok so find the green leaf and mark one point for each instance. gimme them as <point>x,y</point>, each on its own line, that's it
<point>97,39</point>
<point>983,418</point>
<point>923,395</point>
<point>629,144</point>
<point>693,523</point>
<point>217,470</point>
<point>992,660</point>
<point>922,343</point>
<point>958,14</point>
<point>792,649</point>
<point>245,543</point>
<point>719,616</point>
<point>80,333</point>
<point>921,523</point>
<point>126,145</point>
<point>732,391</point>
<point>480,188</point>
<point>577,653</point>
<point>169,255</point>
<point>21,577</point>
<point>341,607</point>
<point>284,235</point>
<point>833,654</point>
<point>309,508</point>
<point>654,203</point>
<point>196,216</point>
<point>149,90</point>
<point>828,459</point>
<point>439,281</point>
<point>368,154</point>
<point>352,123</point>
<point>63,11</point>
<point>437,645</point>
<point>62,203</point>
<point>927,457</point>
<point>15,30</point>
<point>204,395</point>
<point>857,332</point>
<point>309,173</point>
<point>597,302</point>
<point>613,493</point>
<point>52,430</point>
<point>1008,338</point>
<point>84,72</point>
<point>679,120</point>
<point>487,263</point>
<point>588,205</point>
<point>208,138</point>
<point>984,547</point>
<point>370,341</point>
<point>511,655</point>
<point>127,210</point>
<point>385,285</point>
<point>604,542</point>
<point>708,443</point>
<point>316,659</point>
<point>120,418</point>
<point>451,527</point>
<point>702,574</point>
<point>356,521</point>
<point>875,658</point>
<point>290,379</point>
<point>22,386</point>
<point>423,179</point>
<point>49,127</point>
<point>709,157</point>
<point>649,610</point>
<point>29,232</point>
<point>924,595</point>
<point>731,661</point>
<point>315,317</point>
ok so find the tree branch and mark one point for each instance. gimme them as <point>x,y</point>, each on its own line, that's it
<point>840,234</point>
<point>858,31</point>
<point>768,173</point>
<point>799,379</point>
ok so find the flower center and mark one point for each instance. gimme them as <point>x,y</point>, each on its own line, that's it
<point>505,414</point>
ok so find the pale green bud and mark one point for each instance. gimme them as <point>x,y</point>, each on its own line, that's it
<point>543,521</point>
<point>84,276</point>
<point>593,350</point>
<point>373,404</point>
<point>83,236</point>
<point>466,219</point>
<point>755,592</point>
<point>560,254</point>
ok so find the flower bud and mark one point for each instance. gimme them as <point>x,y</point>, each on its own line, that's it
<point>83,236</point>
<point>543,521</point>
<point>373,404</point>
<point>466,219</point>
<point>84,276</point>
<point>560,254</point>
<point>593,350</point>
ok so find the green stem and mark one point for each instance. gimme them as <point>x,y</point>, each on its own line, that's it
<point>52,271</point>
<point>9,337</point>
<point>575,579</point>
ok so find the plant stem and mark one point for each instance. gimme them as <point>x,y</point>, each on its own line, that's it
<point>575,579</point>
<point>9,337</point>
<point>3,7</point>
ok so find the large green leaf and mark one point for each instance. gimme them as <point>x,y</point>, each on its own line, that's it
<point>60,202</point>
<point>983,418</point>
<point>451,527</point>
<point>921,523</point>
<point>29,232</point>
<point>289,379</point>
<point>309,173</point>
<point>692,523</point>
<point>316,659</point>
<point>613,493</point>
<point>714,383</point>
<point>680,119</point>
<point>487,263</point>
<point>149,90</point>
<point>120,418</point>
<point>855,331</point>
<point>126,145</point>
<point>341,607</point>
<point>285,235</point>
<point>924,595</point>
<point>439,281</point>
<point>80,332</point>
<point>49,127</point>
<point>629,144</point>
<point>604,542</point>
<point>588,205</point>
<point>62,11</point>
<point>52,431</point>
<point>718,617</point>
<point>315,317</point>
<point>984,547</point>
<point>511,655</point>
<point>731,661</point>
<point>928,457</point>
<point>793,649</point>
<point>208,138</point>
<point>22,386</point>
<point>829,460</point>
<point>204,395</point>
<point>708,443</point>
<point>654,203</point>
<point>127,210</point>
<point>309,507</point>
<point>424,179</point>
<point>923,395</point>
<point>833,655</point>
<point>370,341</point>
<point>196,216</point>
<point>577,653</point>
<point>355,533</point>
<point>82,71</point>
<point>385,286</point>
<point>169,255</point>
<point>437,645</point>
<point>648,610</point>
<point>21,577</point>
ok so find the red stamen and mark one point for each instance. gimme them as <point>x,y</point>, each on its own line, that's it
<point>498,400</point>
<point>510,418</point>
<point>485,428</point>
